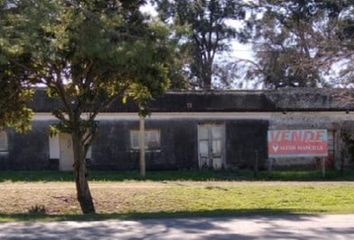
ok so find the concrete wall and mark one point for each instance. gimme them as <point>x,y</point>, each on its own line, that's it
<point>111,148</point>
<point>29,151</point>
<point>245,140</point>
<point>346,145</point>
<point>179,144</point>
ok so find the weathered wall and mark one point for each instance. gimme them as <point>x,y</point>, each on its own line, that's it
<point>179,144</point>
<point>29,151</point>
<point>111,149</point>
<point>245,135</point>
<point>246,140</point>
<point>4,161</point>
<point>346,147</point>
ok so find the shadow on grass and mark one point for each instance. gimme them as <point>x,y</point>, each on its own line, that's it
<point>261,212</point>
<point>186,175</point>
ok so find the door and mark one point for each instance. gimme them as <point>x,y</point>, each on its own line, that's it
<point>66,161</point>
<point>211,146</point>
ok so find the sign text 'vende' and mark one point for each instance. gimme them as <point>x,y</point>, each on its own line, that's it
<point>297,143</point>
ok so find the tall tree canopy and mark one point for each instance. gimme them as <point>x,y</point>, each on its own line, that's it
<point>297,39</point>
<point>14,92</point>
<point>208,31</point>
<point>87,53</point>
<point>14,97</point>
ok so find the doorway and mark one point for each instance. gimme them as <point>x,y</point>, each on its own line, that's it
<point>66,161</point>
<point>211,142</point>
<point>61,149</point>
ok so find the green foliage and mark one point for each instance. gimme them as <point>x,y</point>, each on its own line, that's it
<point>13,106</point>
<point>87,53</point>
<point>299,40</point>
<point>14,96</point>
<point>208,32</point>
<point>53,130</point>
<point>15,93</point>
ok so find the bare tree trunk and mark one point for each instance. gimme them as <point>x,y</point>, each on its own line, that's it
<point>207,83</point>
<point>208,76</point>
<point>82,188</point>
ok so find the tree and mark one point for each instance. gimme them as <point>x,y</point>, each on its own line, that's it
<point>297,40</point>
<point>14,93</point>
<point>14,98</point>
<point>209,31</point>
<point>88,53</point>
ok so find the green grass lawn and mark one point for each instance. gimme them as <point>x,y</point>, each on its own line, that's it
<point>175,193</point>
<point>148,199</point>
<point>186,175</point>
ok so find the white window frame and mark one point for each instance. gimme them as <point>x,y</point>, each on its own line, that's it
<point>134,139</point>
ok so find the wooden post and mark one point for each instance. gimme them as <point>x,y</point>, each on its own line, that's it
<point>323,167</point>
<point>142,146</point>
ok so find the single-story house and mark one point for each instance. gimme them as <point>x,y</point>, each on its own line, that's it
<point>191,130</point>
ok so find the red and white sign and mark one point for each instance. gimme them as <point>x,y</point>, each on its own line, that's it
<point>297,143</point>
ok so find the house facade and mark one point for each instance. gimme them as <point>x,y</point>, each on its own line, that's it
<point>190,130</point>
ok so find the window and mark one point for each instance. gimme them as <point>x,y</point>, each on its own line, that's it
<point>152,139</point>
<point>3,141</point>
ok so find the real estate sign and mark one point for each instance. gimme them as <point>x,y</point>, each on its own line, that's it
<point>297,143</point>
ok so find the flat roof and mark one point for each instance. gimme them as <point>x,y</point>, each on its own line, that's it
<point>289,99</point>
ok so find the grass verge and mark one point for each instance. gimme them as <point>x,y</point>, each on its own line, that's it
<point>157,215</point>
<point>125,200</point>
<point>187,175</point>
